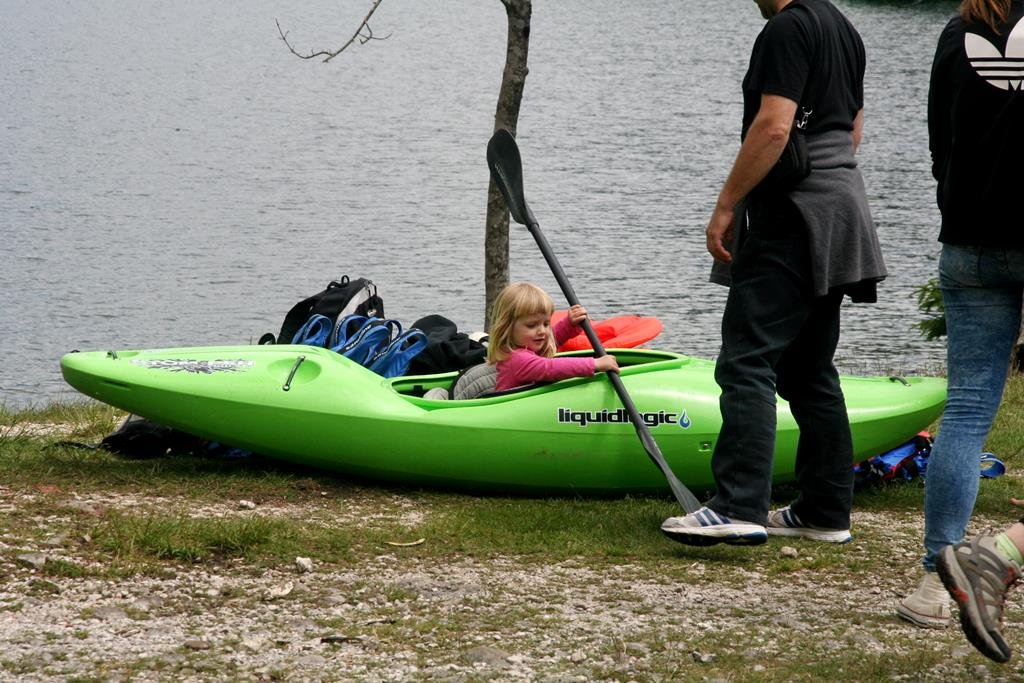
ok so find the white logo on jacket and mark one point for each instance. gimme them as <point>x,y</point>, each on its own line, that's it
<point>1003,71</point>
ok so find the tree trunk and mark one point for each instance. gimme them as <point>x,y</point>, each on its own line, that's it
<point>510,96</point>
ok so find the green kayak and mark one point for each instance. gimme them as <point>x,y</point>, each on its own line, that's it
<point>313,407</point>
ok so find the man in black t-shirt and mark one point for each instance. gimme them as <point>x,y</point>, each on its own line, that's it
<point>807,246</point>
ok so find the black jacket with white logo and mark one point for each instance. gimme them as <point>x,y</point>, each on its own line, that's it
<point>976,131</point>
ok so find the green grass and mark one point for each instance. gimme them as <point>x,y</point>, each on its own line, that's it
<point>190,540</point>
<point>180,512</point>
<point>542,530</point>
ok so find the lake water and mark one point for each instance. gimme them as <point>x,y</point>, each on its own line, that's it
<point>170,175</point>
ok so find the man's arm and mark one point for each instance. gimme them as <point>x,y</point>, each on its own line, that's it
<point>762,147</point>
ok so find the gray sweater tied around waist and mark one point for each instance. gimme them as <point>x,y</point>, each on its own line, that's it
<point>833,204</point>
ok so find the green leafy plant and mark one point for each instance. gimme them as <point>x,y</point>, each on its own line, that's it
<point>929,300</point>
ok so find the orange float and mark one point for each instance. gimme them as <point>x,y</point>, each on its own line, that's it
<point>620,332</point>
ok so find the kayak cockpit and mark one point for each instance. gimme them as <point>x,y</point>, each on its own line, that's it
<point>631,362</point>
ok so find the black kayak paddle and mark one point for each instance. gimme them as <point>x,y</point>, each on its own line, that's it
<point>507,173</point>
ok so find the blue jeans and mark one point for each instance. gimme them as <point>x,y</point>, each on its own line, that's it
<point>778,336</point>
<point>981,291</point>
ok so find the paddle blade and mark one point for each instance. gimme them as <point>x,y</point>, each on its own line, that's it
<point>507,173</point>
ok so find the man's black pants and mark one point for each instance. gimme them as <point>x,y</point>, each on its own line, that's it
<point>776,335</point>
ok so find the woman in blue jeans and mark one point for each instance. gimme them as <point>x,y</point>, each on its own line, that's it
<point>976,136</point>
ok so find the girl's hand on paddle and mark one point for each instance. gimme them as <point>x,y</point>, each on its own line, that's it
<point>577,314</point>
<point>606,364</point>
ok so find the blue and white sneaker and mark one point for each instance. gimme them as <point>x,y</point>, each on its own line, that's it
<point>784,522</point>
<point>707,527</point>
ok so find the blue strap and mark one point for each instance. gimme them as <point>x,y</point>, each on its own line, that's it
<point>314,332</point>
<point>345,329</point>
<point>394,360</point>
<point>373,337</point>
<point>991,466</point>
<point>890,461</point>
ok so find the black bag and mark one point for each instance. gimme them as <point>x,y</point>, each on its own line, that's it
<point>794,163</point>
<point>447,349</point>
<point>138,438</point>
<point>341,298</point>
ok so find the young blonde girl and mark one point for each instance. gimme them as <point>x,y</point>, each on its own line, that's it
<point>522,341</point>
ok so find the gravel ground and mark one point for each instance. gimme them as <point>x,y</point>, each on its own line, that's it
<point>396,617</point>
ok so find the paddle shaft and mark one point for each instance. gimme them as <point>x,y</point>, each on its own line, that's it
<point>507,173</point>
<point>685,497</point>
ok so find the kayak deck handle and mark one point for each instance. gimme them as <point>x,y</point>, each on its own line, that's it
<point>291,375</point>
<point>897,378</point>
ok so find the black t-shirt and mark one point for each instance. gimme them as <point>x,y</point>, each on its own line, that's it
<point>976,131</point>
<point>782,58</point>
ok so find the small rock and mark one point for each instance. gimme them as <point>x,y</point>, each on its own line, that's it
<point>252,644</point>
<point>278,591</point>
<point>702,657</point>
<point>304,564</point>
<point>216,587</point>
<point>863,639</point>
<point>303,624</point>
<point>56,541</point>
<point>637,649</point>
<point>110,613</point>
<point>791,622</point>
<point>146,604</point>
<point>788,551</point>
<point>92,509</point>
<point>485,654</point>
<point>197,644</point>
<point>32,560</point>
<point>246,505</point>
<point>578,657</point>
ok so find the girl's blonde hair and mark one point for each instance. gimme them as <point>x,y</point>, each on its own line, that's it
<point>515,301</point>
<point>991,12</point>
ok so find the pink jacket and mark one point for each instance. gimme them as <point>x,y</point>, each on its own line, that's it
<point>524,366</point>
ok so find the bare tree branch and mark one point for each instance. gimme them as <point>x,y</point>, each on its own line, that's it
<point>364,34</point>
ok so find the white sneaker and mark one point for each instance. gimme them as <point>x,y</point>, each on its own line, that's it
<point>928,606</point>
<point>784,522</point>
<point>707,527</point>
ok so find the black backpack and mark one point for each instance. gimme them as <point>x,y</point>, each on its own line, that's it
<point>447,348</point>
<point>138,437</point>
<point>341,298</point>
